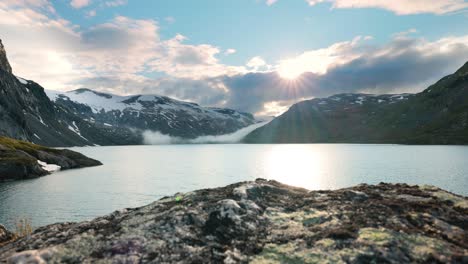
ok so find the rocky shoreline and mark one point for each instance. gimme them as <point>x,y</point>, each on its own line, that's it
<point>265,222</point>
<point>24,160</point>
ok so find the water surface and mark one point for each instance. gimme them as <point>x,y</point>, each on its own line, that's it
<point>136,175</point>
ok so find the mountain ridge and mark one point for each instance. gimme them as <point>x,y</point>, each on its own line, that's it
<point>152,112</point>
<point>437,115</point>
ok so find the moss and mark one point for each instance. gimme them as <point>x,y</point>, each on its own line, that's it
<point>374,236</point>
<point>309,217</point>
<point>422,247</point>
<point>292,253</point>
<point>456,200</point>
<point>325,243</point>
<point>22,145</point>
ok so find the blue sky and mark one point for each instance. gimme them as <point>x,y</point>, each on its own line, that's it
<point>276,31</point>
<point>243,54</point>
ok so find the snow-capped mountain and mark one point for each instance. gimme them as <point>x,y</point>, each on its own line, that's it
<point>151,112</point>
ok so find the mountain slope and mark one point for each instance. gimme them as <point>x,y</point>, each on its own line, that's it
<point>158,113</point>
<point>438,115</point>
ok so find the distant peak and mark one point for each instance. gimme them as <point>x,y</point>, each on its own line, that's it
<point>4,65</point>
<point>82,90</point>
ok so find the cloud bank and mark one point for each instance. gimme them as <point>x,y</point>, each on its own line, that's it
<point>399,7</point>
<point>157,138</point>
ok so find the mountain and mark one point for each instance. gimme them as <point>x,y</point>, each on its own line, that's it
<point>153,112</point>
<point>84,117</point>
<point>438,115</point>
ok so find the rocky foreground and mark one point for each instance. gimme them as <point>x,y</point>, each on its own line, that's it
<point>265,222</point>
<point>24,160</point>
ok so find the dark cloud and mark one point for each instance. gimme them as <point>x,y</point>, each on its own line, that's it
<point>403,65</point>
<point>106,37</point>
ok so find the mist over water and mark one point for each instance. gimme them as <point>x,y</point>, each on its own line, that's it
<point>157,138</point>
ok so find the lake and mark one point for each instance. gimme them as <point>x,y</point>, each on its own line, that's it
<point>136,175</point>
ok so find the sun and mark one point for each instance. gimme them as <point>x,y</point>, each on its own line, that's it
<point>290,69</point>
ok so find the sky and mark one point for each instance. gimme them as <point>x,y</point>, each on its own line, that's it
<point>257,56</point>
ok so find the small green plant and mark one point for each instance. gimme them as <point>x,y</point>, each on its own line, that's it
<point>23,228</point>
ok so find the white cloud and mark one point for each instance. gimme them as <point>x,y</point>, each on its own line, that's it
<point>91,13</point>
<point>320,60</point>
<point>190,61</point>
<point>401,7</point>
<point>57,54</point>
<point>170,20</point>
<point>115,3</point>
<point>80,3</point>
<point>270,2</point>
<point>230,51</point>
<point>256,63</point>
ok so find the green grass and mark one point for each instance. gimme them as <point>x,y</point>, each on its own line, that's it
<point>21,145</point>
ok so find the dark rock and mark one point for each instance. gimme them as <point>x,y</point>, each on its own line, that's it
<point>4,64</point>
<point>5,235</point>
<point>265,222</point>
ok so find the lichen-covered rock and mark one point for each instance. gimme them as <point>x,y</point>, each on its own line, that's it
<point>265,222</point>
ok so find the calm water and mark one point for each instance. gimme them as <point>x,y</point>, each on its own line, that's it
<point>136,175</point>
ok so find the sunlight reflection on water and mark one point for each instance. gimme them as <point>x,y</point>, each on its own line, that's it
<point>136,175</point>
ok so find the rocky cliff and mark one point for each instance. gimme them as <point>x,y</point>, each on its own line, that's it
<point>4,64</point>
<point>438,115</point>
<point>265,222</point>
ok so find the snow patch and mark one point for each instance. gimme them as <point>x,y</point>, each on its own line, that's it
<point>42,121</point>
<point>21,80</point>
<point>49,167</point>
<point>77,131</point>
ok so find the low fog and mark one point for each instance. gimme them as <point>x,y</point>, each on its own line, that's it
<point>157,138</point>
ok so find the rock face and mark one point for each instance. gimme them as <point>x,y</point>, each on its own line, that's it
<point>438,115</point>
<point>23,160</point>
<point>4,64</point>
<point>265,222</point>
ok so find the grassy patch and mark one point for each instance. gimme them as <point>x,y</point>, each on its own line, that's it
<point>23,228</point>
<point>22,145</point>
